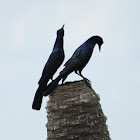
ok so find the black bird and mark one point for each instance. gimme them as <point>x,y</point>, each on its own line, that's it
<point>55,60</point>
<point>76,63</point>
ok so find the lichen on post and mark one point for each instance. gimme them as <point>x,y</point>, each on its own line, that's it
<point>74,112</point>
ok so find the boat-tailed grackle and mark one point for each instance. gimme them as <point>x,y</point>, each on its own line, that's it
<point>76,63</point>
<point>55,60</point>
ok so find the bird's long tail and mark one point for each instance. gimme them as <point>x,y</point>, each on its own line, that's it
<point>38,98</point>
<point>50,88</point>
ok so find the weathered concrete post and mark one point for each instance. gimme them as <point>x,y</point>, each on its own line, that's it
<point>74,113</point>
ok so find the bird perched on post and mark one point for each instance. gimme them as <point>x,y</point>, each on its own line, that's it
<point>76,63</point>
<point>55,60</point>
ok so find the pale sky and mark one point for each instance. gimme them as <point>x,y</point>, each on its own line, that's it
<point>27,35</point>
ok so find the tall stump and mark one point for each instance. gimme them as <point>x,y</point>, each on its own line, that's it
<point>74,113</point>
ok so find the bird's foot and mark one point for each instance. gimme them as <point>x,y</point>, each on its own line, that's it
<point>87,82</point>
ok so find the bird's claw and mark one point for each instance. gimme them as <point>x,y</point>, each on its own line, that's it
<point>87,80</point>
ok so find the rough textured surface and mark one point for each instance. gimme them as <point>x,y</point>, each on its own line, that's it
<point>74,112</point>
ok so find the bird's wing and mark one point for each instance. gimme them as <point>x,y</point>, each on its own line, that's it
<point>50,67</point>
<point>72,62</point>
<point>53,59</point>
<point>75,58</point>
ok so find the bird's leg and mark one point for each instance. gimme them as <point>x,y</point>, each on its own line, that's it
<point>84,77</point>
<point>80,74</point>
<point>64,78</point>
<point>52,78</point>
<point>88,82</point>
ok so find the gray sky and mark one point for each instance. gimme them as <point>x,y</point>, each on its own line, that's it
<point>27,34</point>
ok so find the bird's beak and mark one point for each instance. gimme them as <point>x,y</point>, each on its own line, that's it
<point>63,27</point>
<point>99,47</point>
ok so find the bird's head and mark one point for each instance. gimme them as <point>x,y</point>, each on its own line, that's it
<point>98,40</point>
<point>60,32</point>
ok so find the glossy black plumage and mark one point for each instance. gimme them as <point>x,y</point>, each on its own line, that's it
<point>55,60</point>
<point>76,63</point>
